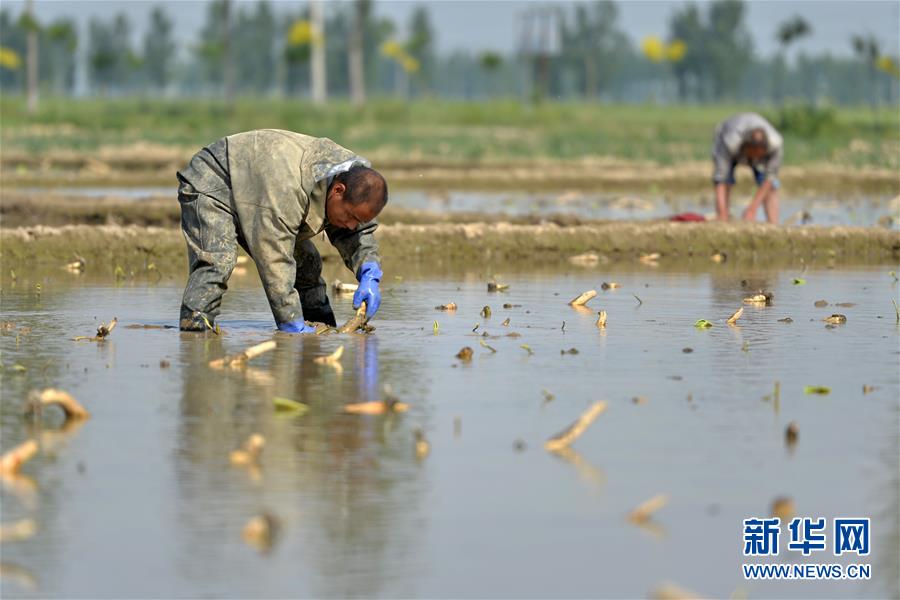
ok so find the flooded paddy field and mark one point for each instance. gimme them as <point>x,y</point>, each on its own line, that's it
<point>157,205</point>
<point>142,165</point>
<point>141,498</point>
<point>818,209</point>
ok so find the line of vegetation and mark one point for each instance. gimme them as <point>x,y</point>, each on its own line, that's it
<point>441,130</point>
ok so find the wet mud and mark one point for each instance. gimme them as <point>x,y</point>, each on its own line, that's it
<point>138,247</point>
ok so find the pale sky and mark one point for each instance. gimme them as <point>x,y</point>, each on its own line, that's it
<point>476,25</point>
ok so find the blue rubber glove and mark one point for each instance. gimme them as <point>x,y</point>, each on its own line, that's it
<point>368,292</point>
<point>296,327</point>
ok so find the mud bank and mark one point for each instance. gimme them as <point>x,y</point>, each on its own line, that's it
<point>137,167</point>
<point>140,247</point>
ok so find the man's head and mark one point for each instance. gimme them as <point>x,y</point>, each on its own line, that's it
<point>756,145</point>
<point>355,196</point>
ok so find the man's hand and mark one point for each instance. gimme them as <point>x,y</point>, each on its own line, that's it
<point>368,291</point>
<point>765,186</point>
<point>296,327</point>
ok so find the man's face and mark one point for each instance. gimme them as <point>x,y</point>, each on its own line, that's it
<point>341,213</point>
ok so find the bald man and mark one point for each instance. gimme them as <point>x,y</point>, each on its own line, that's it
<point>270,191</point>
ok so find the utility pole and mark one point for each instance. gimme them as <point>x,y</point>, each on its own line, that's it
<point>317,56</point>
<point>355,55</point>
<point>539,41</point>
<point>31,59</point>
<point>280,68</point>
<point>227,58</point>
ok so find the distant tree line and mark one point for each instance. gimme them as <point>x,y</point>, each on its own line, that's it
<point>564,52</point>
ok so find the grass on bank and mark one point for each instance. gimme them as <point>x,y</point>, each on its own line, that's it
<point>446,131</point>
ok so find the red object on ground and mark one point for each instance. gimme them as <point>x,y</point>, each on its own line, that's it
<point>687,217</point>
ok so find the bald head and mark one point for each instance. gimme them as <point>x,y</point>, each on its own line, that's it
<point>363,186</point>
<point>355,196</point>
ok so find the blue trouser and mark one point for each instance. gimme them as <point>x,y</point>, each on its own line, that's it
<point>758,175</point>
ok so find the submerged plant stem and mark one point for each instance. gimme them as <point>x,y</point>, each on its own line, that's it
<point>236,360</point>
<point>574,431</point>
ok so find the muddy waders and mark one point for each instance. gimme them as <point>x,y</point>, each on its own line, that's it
<point>264,191</point>
<point>212,243</point>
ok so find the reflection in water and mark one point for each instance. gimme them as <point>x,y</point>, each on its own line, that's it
<point>587,471</point>
<point>144,493</point>
<point>367,367</point>
<point>843,208</point>
<point>886,544</point>
<point>344,488</point>
<point>53,440</point>
<point>21,576</point>
<point>653,528</point>
<point>50,441</point>
<point>23,487</point>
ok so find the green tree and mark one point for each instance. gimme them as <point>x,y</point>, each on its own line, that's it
<point>591,45</point>
<point>867,49</point>
<point>214,52</point>
<point>58,43</point>
<point>159,49</point>
<point>254,48</point>
<point>718,49</point>
<point>378,70</point>
<point>788,33</point>
<point>295,56</point>
<point>420,46</point>
<point>687,24</point>
<point>490,63</point>
<point>792,30</point>
<point>338,37</point>
<point>110,57</point>
<point>12,39</point>
<point>730,47</point>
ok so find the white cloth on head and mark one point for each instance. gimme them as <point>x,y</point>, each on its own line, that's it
<point>346,166</point>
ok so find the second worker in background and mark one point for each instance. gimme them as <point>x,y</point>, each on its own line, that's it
<point>747,138</point>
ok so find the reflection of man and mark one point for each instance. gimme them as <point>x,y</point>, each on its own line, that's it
<point>349,485</point>
<point>270,191</point>
<point>747,138</point>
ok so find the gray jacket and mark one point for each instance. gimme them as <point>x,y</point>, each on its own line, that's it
<point>278,181</point>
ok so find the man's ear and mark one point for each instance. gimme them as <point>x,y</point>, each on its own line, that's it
<point>337,190</point>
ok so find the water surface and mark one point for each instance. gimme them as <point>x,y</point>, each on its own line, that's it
<point>140,501</point>
<point>795,209</point>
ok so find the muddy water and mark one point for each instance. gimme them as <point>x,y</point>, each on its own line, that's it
<point>141,500</point>
<point>818,209</point>
<point>821,210</point>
